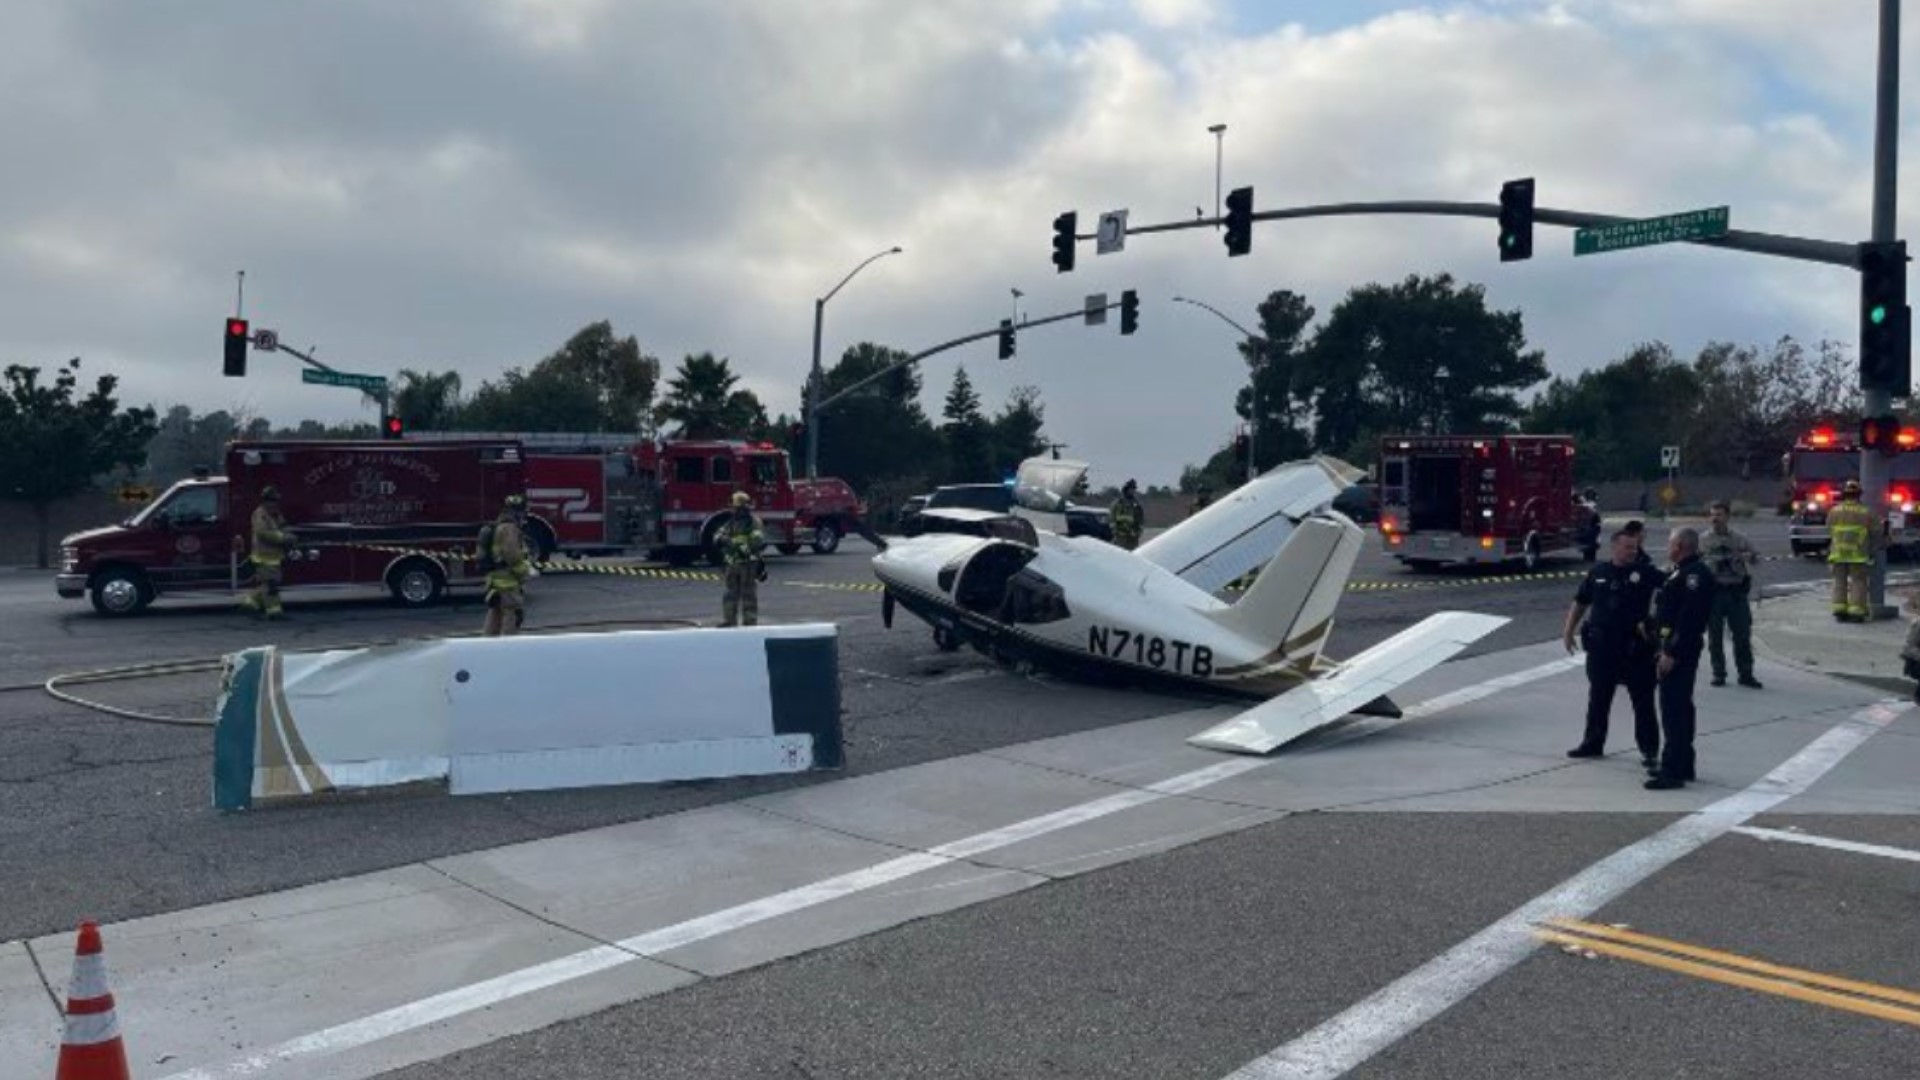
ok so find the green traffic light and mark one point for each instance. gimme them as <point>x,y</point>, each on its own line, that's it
<point>1506,239</point>
<point>1878,314</point>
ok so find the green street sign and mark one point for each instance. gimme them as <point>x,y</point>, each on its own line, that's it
<point>1671,229</point>
<point>372,384</point>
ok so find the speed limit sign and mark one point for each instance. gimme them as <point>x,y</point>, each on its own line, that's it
<point>1669,457</point>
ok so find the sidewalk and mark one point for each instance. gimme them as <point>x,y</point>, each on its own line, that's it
<point>1799,629</point>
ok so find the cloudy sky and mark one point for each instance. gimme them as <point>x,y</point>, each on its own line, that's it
<point>463,183</point>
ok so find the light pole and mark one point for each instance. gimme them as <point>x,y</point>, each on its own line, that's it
<point>813,380</point>
<point>1219,155</point>
<point>1253,420</point>
<point>1874,468</point>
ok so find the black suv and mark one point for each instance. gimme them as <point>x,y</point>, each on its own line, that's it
<point>1091,521</point>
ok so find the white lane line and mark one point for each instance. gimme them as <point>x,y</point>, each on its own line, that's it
<point>1397,1010</point>
<point>500,988</point>
<point>1810,840</point>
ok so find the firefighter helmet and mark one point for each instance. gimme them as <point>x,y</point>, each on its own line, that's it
<point>741,498</point>
<point>270,493</point>
<point>1851,487</point>
<point>514,504</point>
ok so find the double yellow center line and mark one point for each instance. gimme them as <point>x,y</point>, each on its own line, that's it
<point>1812,987</point>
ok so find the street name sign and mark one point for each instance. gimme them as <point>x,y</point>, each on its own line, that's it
<point>372,384</point>
<point>1671,229</point>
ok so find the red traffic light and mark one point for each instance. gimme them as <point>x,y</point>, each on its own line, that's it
<point>395,427</point>
<point>237,328</point>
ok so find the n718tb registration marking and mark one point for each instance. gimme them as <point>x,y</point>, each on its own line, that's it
<point>1181,657</point>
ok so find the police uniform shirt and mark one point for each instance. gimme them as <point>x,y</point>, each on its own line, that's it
<point>1727,555</point>
<point>1682,608</point>
<point>1618,598</point>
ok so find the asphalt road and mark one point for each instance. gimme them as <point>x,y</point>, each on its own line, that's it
<point>109,819</point>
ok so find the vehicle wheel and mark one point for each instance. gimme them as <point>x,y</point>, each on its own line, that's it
<point>1421,566</point>
<point>787,549</point>
<point>120,592</point>
<point>826,538</point>
<point>417,583</point>
<point>1530,557</point>
<point>945,639</point>
<point>676,556</point>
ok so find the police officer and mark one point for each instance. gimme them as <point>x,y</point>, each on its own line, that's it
<point>1128,517</point>
<point>1614,600</point>
<point>1681,609</point>
<point>1850,553</point>
<point>740,540</point>
<point>1637,529</point>
<point>268,549</point>
<point>1730,557</point>
<point>509,569</point>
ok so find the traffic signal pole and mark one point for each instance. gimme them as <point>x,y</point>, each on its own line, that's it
<point>966,339</point>
<point>1878,400</point>
<point>307,359</point>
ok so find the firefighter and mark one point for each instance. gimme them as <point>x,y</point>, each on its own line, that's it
<point>269,547</point>
<point>740,540</point>
<point>1850,553</point>
<point>1681,610</point>
<point>1201,499</point>
<point>1614,601</point>
<point>1730,557</point>
<point>503,555</point>
<point>1128,516</point>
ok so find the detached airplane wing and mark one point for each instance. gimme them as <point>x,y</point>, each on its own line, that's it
<point>1358,682</point>
<point>1244,530</point>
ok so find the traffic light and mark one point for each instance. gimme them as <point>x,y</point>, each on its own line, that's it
<point>1516,220</point>
<point>1064,227</point>
<point>394,428</point>
<point>1886,335</point>
<point>796,435</point>
<point>1006,339</point>
<point>236,346</point>
<point>1239,221</point>
<point>1880,433</point>
<point>1240,446</point>
<point>1129,311</point>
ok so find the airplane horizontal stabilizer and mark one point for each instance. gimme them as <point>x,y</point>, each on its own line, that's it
<point>1244,530</point>
<point>1359,682</point>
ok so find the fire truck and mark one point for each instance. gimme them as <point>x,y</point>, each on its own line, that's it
<point>601,493</point>
<point>1477,499</point>
<point>362,513</point>
<point>1820,464</point>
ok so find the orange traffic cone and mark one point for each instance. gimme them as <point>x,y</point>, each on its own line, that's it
<point>92,1049</point>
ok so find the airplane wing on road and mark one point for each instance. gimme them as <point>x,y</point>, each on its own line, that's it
<point>1371,675</point>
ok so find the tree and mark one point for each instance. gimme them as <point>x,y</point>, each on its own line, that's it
<point>701,398</point>
<point>622,377</point>
<point>968,435</point>
<point>1622,413</point>
<point>183,441</point>
<point>1274,362</point>
<point>54,443</point>
<point>537,400</point>
<point>426,400</point>
<point>1424,355</point>
<point>1016,430</point>
<point>878,432</point>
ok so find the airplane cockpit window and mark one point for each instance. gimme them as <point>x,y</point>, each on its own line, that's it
<point>982,587</point>
<point>1033,599</point>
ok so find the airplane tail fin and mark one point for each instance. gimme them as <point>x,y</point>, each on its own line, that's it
<point>1292,602</point>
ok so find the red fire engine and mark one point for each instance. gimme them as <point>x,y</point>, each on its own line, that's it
<point>1820,464</point>
<point>603,493</point>
<point>362,514</point>
<point>1477,498</point>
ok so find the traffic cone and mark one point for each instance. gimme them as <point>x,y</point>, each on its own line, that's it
<point>92,1049</point>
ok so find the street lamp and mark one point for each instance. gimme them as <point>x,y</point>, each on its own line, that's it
<point>813,381</point>
<point>1253,421</point>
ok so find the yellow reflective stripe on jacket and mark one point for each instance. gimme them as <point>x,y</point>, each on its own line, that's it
<point>1851,526</point>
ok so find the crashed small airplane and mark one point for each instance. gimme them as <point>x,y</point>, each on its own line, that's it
<point>1084,608</point>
